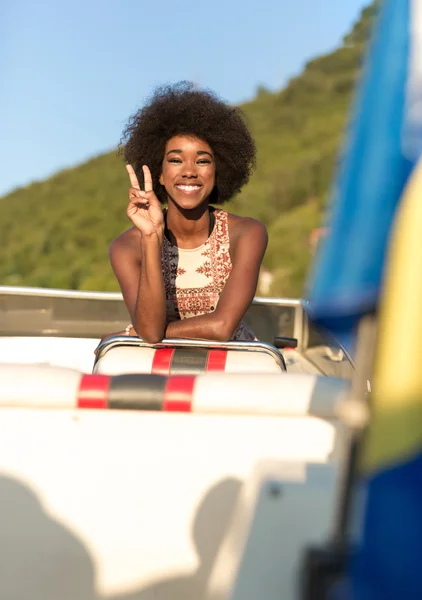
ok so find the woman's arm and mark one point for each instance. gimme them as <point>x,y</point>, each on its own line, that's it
<point>150,309</point>
<point>136,262</point>
<point>248,243</point>
<point>135,257</point>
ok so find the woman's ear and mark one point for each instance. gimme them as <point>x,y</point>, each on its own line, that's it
<point>161,178</point>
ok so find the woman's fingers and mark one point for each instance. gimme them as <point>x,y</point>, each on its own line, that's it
<point>139,198</point>
<point>138,201</point>
<point>132,176</point>
<point>135,189</point>
<point>136,205</point>
<point>144,197</point>
<point>134,193</point>
<point>143,204</point>
<point>147,179</point>
<point>134,180</point>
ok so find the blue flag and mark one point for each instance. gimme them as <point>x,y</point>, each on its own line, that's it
<point>382,148</point>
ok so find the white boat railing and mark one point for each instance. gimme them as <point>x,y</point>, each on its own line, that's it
<point>55,312</point>
<point>246,346</point>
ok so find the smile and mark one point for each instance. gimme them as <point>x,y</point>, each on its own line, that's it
<point>188,188</point>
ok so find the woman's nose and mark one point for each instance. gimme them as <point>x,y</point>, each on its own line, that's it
<point>189,170</point>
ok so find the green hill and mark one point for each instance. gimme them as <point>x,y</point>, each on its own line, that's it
<point>75,214</point>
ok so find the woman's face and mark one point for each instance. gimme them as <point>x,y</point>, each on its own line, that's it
<point>188,171</point>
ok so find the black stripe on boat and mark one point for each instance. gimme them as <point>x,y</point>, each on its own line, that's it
<point>137,391</point>
<point>189,361</point>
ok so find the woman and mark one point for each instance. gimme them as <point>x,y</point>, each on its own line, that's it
<point>189,271</point>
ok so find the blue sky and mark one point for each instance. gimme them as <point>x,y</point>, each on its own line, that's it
<point>74,70</point>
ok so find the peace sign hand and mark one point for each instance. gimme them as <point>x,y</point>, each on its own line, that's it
<point>144,208</point>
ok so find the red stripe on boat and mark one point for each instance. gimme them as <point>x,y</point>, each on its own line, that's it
<point>162,361</point>
<point>217,360</point>
<point>178,393</point>
<point>93,391</point>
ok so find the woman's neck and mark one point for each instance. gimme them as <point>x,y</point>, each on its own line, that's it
<point>188,229</point>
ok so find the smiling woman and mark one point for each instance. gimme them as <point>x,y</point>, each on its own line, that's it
<point>189,270</point>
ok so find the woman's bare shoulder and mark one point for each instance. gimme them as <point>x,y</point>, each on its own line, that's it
<point>127,242</point>
<point>240,226</point>
<point>127,239</point>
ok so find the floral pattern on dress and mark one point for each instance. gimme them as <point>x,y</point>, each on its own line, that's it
<point>205,269</point>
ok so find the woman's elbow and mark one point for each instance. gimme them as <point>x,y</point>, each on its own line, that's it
<point>224,331</point>
<point>223,338</point>
<point>152,339</point>
<point>150,336</point>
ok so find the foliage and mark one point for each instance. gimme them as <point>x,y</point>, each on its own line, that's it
<point>56,233</point>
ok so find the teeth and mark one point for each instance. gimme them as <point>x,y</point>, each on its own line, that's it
<point>189,188</point>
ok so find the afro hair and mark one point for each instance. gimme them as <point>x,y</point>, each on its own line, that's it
<point>182,109</point>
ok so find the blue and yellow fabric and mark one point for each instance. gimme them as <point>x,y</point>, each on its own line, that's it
<point>373,260</point>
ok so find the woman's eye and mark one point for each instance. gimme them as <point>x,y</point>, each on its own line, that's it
<point>175,160</point>
<point>204,161</point>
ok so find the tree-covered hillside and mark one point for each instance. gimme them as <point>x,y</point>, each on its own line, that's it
<point>56,233</point>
